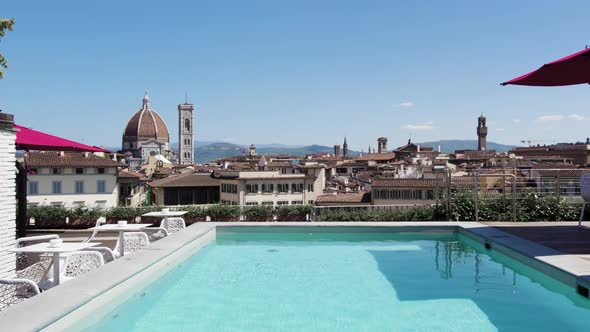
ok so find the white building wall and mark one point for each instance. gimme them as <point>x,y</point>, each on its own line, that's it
<point>68,196</point>
<point>7,202</point>
<point>275,178</point>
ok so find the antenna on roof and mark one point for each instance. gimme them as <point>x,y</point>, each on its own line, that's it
<point>185,97</point>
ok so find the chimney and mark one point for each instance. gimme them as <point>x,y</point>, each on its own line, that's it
<point>438,148</point>
<point>86,154</point>
<point>115,156</point>
<point>418,147</point>
<point>61,153</point>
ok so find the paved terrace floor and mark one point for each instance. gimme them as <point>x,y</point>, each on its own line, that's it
<point>566,237</point>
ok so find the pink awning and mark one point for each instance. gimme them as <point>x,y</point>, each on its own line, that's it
<point>571,70</point>
<point>29,139</point>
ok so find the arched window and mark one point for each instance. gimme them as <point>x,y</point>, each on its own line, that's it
<point>187,124</point>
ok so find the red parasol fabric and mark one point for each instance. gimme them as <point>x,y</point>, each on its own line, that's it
<point>29,139</point>
<point>571,70</point>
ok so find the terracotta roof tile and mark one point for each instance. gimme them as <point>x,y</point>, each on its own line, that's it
<point>186,180</point>
<point>356,197</point>
<point>377,156</point>
<point>132,175</point>
<point>408,183</point>
<point>69,159</point>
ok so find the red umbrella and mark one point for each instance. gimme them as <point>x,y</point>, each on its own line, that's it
<point>573,69</point>
<point>29,139</point>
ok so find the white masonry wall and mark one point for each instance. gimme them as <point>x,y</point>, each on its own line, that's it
<point>7,202</point>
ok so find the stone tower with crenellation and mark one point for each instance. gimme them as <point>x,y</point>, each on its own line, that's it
<point>482,133</point>
<point>186,144</point>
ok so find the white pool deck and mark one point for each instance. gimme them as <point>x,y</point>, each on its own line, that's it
<point>103,288</point>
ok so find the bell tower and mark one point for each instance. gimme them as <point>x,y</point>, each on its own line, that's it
<point>482,133</point>
<point>186,144</point>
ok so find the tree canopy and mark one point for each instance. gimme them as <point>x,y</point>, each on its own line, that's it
<point>5,25</point>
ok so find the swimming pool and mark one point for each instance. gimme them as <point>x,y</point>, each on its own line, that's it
<point>247,280</point>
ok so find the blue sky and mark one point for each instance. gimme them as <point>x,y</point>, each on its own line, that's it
<point>297,72</point>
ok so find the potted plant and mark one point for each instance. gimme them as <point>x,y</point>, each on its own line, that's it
<point>195,214</point>
<point>47,216</point>
<point>123,213</point>
<point>224,212</point>
<point>258,213</point>
<point>84,216</point>
<point>293,212</point>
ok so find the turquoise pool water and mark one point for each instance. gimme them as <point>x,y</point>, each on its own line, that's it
<point>350,282</point>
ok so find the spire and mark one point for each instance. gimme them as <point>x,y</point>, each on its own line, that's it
<point>185,97</point>
<point>345,144</point>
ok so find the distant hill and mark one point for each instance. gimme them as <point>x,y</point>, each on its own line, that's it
<point>209,152</point>
<point>449,146</point>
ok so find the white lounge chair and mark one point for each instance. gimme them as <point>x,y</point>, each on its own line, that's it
<point>33,266</point>
<point>107,254</point>
<point>76,264</point>
<point>132,241</point>
<point>13,291</point>
<point>173,224</point>
<point>155,233</point>
<point>99,221</point>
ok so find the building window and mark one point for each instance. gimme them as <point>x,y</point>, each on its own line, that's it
<point>310,202</point>
<point>78,203</point>
<point>101,186</point>
<point>267,203</point>
<point>283,203</point>
<point>79,171</point>
<point>100,170</point>
<point>297,203</point>
<point>252,188</point>
<point>187,124</point>
<point>296,187</point>
<point>79,187</point>
<point>33,188</point>
<point>283,187</point>
<point>57,171</point>
<point>309,187</point>
<point>101,204</point>
<point>229,188</point>
<point>252,203</point>
<point>268,188</point>
<point>56,187</point>
<point>57,203</point>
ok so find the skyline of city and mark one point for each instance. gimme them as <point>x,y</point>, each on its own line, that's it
<point>295,74</point>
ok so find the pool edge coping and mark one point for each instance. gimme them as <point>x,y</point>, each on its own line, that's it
<point>48,308</point>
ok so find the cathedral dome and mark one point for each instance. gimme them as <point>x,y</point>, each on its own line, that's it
<point>146,124</point>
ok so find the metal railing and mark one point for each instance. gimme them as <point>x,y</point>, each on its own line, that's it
<point>514,187</point>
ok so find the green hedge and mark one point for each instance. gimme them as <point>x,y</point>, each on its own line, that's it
<point>418,213</point>
<point>530,206</point>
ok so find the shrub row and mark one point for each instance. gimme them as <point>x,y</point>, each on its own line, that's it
<point>530,206</point>
<point>418,213</point>
<point>83,217</point>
